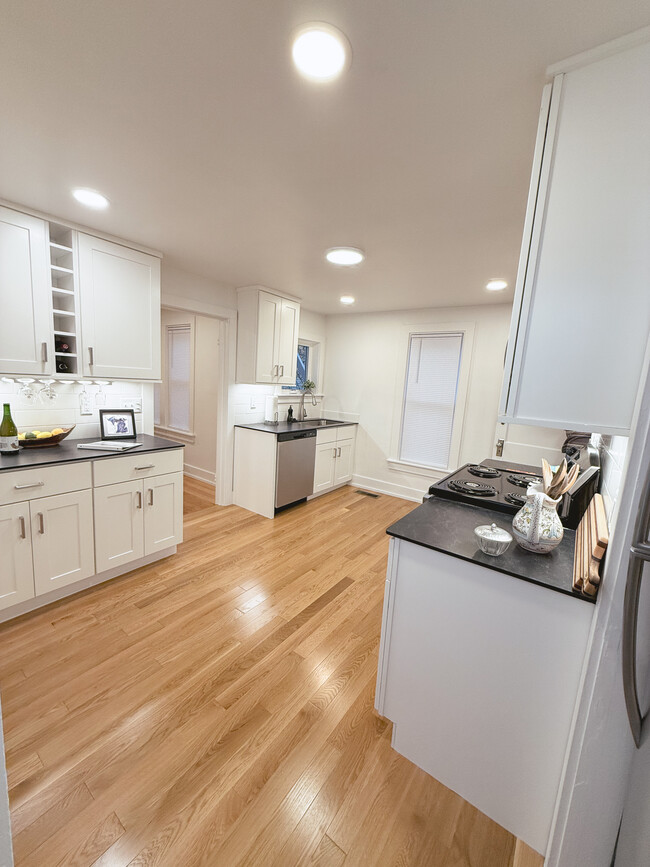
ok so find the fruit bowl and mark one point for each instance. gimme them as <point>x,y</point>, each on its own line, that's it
<point>53,437</point>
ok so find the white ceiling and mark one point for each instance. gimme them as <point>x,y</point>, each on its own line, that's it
<point>188,115</point>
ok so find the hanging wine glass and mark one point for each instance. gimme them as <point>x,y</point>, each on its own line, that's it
<point>85,407</point>
<point>47,394</point>
<point>100,396</point>
<point>26,392</point>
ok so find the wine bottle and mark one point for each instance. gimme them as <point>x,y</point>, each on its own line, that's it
<point>61,345</point>
<point>8,433</point>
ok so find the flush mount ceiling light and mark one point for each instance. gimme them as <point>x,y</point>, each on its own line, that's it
<point>90,198</point>
<point>347,299</point>
<point>320,51</point>
<point>345,255</point>
<point>496,285</point>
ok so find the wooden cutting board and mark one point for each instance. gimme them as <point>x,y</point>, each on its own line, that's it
<point>592,538</point>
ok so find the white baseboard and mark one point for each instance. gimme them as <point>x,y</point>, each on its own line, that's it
<point>200,474</point>
<point>379,486</point>
<point>84,584</point>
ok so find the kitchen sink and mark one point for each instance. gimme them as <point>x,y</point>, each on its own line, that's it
<point>315,422</point>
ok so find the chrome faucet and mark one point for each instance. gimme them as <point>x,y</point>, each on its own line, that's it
<point>302,412</point>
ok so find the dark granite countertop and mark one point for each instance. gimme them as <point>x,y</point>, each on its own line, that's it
<point>67,451</point>
<point>447,526</point>
<point>283,427</point>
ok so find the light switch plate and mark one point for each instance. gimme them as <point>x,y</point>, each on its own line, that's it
<point>135,405</point>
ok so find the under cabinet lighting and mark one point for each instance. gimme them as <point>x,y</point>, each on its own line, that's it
<point>496,285</point>
<point>347,299</point>
<point>345,255</point>
<point>90,198</point>
<point>320,52</point>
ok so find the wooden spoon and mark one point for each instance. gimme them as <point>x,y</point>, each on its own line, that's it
<point>570,479</point>
<point>557,481</point>
<point>547,475</point>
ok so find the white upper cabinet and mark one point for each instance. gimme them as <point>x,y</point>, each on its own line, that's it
<point>120,310</point>
<point>267,337</point>
<point>26,339</point>
<point>582,306</point>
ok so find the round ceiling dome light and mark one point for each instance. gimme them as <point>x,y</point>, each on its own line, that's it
<point>347,299</point>
<point>496,285</point>
<point>345,255</point>
<point>320,52</point>
<point>90,198</point>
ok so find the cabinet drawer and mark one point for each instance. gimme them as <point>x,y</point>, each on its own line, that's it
<point>347,432</point>
<point>327,435</point>
<point>19,485</point>
<point>129,467</point>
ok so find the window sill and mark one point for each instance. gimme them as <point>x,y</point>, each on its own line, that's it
<point>417,469</point>
<point>181,436</point>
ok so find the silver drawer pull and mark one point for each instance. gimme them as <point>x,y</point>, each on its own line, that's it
<point>91,356</point>
<point>147,467</point>
<point>151,496</point>
<point>44,353</point>
<point>31,485</point>
<point>41,523</point>
<point>23,533</point>
<point>139,496</point>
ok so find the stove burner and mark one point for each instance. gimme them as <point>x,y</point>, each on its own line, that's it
<point>483,472</point>
<point>524,481</point>
<point>515,499</point>
<point>475,489</point>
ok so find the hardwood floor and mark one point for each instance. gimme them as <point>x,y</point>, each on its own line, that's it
<point>216,708</point>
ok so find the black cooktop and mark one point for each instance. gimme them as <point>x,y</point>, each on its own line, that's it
<point>494,484</point>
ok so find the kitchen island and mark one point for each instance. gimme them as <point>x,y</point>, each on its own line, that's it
<point>481,661</point>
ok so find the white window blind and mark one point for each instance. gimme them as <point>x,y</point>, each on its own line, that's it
<point>179,367</point>
<point>430,398</point>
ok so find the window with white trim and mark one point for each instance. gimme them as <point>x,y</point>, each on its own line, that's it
<point>430,396</point>
<point>174,397</point>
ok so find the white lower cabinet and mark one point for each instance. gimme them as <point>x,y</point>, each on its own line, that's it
<point>134,519</point>
<point>62,540</point>
<point>16,574</point>
<point>46,543</point>
<point>334,457</point>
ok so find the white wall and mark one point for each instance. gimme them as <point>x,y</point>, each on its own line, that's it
<point>362,383</point>
<point>201,456</point>
<point>182,284</point>
<point>66,409</point>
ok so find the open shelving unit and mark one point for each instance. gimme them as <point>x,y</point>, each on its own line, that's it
<point>65,306</point>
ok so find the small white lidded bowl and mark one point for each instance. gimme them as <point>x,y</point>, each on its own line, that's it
<point>493,540</point>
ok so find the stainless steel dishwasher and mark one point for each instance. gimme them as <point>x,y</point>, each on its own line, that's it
<point>296,456</point>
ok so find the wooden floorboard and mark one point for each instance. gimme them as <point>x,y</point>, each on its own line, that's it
<point>216,708</point>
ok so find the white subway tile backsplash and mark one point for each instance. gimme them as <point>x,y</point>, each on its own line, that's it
<point>612,459</point>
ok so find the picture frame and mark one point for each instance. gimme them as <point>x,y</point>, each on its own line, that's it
<point>117,424</point>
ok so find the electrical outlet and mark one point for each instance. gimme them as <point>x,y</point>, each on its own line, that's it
<point>135,405</point>
<point>253,402</point>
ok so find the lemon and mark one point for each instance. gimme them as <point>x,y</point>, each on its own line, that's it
<point>36,432</point>
<point>43,435</point>
<point>21,436</point>
<point>57,430</point>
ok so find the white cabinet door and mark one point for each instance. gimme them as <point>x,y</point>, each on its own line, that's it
<point>26,338</point>
<point>62,540</point>
<point>288,342</point>
<point>163,516</point>
<point>586,258</point>
<point>119,524</point>
<point>120,310</point>
<point>343,463</point>
<point>16,573</point>
<point>324,466</point>
<point>268,331</point>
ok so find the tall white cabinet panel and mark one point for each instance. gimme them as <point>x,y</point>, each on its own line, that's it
<point>119,524</point>
<point>268,325</point>
<point>120,310</point>
<point>16,576</point>
<point>26,341</point>
<point>582,312</point>
<point>288,342</point>
<point>163,517</point>
<point>62,540</point>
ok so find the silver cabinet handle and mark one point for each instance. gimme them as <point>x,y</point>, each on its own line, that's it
<point>339,454</point>
<point>151,496</point>
<point>41,523</point>
<point>23,533</point>
<point>147,467</point>
<point>334,455</point>
<point>139,496</point>
<point>31,485</point>
<point>282,370</point>
<point>276,370</point>
<point>44,352</point>
<point>91,355</point>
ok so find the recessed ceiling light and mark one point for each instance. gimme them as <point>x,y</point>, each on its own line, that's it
<point>90,198</point>
<point>320,51</point>
<point>496,285</point>
<point>345,255</point>
<point>347,299</point>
